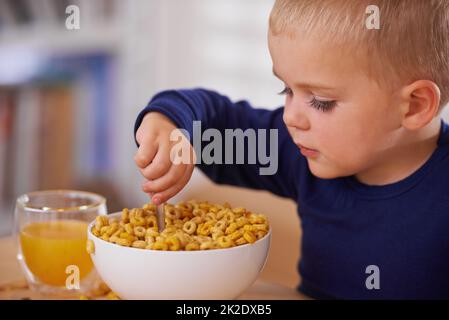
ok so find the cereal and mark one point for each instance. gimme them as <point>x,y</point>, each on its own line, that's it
<point>98,292</point>
<point>207,245</point>
<point>232,227</point>
<point>112,296</point>
<point>241,241</point>
<point>139,244</point>
<point>190,225</point>
<point>224,242</point>
<point>192,246</point>
<point>139,231</point>
<point>172,243</point>
<point>249,236</point>
<point>160,245</point>
<point>123,242</point>
<point>90,246</point>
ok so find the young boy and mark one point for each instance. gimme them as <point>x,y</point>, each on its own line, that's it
<point>361,143</point>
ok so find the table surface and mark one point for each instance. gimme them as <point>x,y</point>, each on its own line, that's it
<point>13,284</point>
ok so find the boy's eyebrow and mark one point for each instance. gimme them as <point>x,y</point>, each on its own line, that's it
<point>306,85</point>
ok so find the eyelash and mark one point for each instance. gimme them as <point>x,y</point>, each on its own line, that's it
<point>324,106</point>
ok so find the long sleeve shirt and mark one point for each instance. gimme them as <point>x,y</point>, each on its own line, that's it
<point>358,241</point>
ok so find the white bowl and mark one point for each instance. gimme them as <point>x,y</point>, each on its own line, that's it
<point>204,274</point>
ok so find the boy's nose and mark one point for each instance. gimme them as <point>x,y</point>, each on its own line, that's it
<point>293,117</point>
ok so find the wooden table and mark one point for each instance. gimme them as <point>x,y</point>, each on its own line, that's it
<point>13,284</point>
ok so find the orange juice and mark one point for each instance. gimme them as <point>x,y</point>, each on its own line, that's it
<point>49,247</point>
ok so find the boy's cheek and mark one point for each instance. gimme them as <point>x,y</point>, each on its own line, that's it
<point>291,133</point>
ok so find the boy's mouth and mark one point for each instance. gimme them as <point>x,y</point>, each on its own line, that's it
<point>307,152</point>
<point>301,146</point>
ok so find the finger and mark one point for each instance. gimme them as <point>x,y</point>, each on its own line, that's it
<point>165,195</point>
<point>160,164</point>
<point>174,174</point>
<point>150,194</point>
<point>145,154</point>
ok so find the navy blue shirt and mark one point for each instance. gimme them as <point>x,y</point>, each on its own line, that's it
<point>402,229</point>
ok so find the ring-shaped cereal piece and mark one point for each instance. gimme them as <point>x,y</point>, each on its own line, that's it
<point>152,222</point>
<point>138,221</point>
<point>198,212</point>
<point>235,235</point>
<point>203,229</point>
<point>220,214</point>
<point>217,234</point>
<point>104,229</point>
<point>112,229</point>
<point>151,232</point>
<point>239,210</point>
<point>249,236</point>
<point>221,224</point>
<point>198,220</point>
<point>189,227</point>
<point>241,221</point>
<point>232,227</point>
<point>192,246</point>
<point>189,206</point>
<point>150,239</point>
<point>260,234</point>
<point>125,215</point>
<point>210,216</point>
<point>224,242</point>
<point>173,243</point>
<point>241,241</point>
<point>90,246</point>
<point>139,231</point>
<point>207,245</point>
<point>172,213</point>
<point>123,242</point>
<point>129,228</point>
<point>229,216</point>
<point>139,213</point>
<point>139,244</point>
<point>159,245</point>
<point>149,207</point>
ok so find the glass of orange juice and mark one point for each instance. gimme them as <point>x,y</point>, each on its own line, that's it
<point>51,231</point>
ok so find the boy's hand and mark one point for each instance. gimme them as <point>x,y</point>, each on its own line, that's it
<point>165,179</point>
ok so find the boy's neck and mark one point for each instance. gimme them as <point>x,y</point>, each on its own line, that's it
<point>406,159</point>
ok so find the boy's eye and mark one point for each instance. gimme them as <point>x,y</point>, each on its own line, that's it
<point>324,106</point>
<point>286,91</point>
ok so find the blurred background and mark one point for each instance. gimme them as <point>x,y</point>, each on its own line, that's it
<point>69,97</point>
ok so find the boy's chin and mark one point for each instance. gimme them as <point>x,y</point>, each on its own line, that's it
<point>324,172</point>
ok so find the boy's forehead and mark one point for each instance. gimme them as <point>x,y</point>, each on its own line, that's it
<point>306,60</point>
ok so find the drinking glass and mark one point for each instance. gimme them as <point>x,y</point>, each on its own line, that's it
<point>51,233</point>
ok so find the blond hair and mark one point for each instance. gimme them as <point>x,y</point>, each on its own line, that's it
<point>412,42</point>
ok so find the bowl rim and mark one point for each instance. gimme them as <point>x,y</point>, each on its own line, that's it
<point>90,234</point>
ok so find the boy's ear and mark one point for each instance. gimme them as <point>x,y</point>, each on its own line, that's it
<point>420,103</point>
